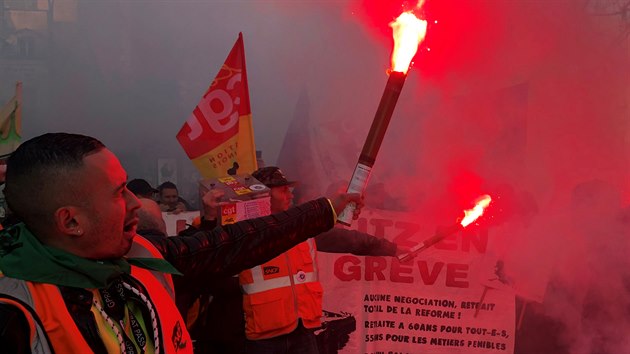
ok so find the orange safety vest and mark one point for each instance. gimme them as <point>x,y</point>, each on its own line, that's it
<point>52,325</point>
<point>143,248</point>
<point>281,291</point>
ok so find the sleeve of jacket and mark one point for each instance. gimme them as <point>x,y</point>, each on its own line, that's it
<point>204,224</point>
<point>338,240</point>
<point>228,250</point>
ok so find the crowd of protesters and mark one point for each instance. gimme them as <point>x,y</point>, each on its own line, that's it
<point>77,278</point>
<point>88,266</point>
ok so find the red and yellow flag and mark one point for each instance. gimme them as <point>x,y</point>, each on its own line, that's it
<point>218,137</point>
<point>11,123</point>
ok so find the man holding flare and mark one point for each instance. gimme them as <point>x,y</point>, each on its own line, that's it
<point>67,284</point>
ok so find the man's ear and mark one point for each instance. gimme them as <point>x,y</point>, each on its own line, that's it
<point>67,220</point>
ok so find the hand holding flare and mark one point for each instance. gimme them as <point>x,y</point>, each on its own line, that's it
<point>470,216</point>
<point>408,32</point>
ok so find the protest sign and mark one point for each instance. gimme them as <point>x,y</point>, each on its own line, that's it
<point>431,304</point>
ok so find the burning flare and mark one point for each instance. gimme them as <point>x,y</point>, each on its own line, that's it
<point>474,213</point>
<point>471,215</point>
<point>409,32</point>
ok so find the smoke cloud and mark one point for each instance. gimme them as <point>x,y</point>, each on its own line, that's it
<point>524,100</point>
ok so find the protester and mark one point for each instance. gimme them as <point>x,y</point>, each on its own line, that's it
<point>275,330</point>
<point>201,304</point>
<point>66,285</point>
<point>169,199</point>
<point>150,221</point>
<point>141,188</point>
<point>273,322</point>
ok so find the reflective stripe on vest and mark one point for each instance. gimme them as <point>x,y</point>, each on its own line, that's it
<point>63,334</point>
<point>50,311</point>
<point>142,247</point>
<point>37,346</point>
<point>260,284</point>
<point>289,292</point>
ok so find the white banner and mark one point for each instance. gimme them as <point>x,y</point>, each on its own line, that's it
<point>446,300</point>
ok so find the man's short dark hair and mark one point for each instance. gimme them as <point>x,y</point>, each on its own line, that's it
<point>167,185</point>
<point>141,188</point>
<point>37,168</point>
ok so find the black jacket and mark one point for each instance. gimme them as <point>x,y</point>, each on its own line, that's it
<point>224,298</point>
<point>338,240</point>
<point>203,258</point>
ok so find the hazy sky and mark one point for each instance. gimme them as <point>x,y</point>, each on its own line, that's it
<point>139,68</point>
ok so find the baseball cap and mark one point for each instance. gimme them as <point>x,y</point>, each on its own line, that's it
<point>272,176</point>
<point>140,187</point>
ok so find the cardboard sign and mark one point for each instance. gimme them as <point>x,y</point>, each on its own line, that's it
<point>247,198</point>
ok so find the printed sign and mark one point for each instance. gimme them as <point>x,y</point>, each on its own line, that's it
<point>443,301</point>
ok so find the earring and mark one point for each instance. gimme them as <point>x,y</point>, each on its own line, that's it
<point>79,232</point>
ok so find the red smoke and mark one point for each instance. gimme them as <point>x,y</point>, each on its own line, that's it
<point>452,36</point>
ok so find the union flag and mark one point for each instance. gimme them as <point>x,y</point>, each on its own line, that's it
<point>218,136</point>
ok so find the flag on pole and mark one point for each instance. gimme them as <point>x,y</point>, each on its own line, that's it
<point>11,123</point>
<point>218,137</point>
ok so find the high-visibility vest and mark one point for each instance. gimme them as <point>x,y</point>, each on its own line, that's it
<point>143,248</point>
<point>282,291</point>
<point>54,330</point>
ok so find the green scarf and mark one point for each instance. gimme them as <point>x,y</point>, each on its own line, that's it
<point>22,256</point>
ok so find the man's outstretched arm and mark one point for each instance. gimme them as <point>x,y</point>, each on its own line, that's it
<point>337,240</point>
<point>230,249</point>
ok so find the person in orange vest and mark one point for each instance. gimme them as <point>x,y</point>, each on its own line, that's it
<point>283,297</point>
<point>68,281</point>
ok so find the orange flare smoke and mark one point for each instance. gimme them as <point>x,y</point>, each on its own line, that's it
<point>474,213</point>
<point>409,32</point>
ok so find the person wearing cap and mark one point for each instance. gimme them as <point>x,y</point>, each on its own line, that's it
<point>224,299</point>
<point>282,298</point>
<point>141,188</point>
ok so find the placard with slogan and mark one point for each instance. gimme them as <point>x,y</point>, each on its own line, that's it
<point>445,300</point>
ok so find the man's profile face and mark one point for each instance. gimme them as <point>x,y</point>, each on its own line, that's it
<point>110,209</point>
<point>281,198</point>
<point>169,196</point>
